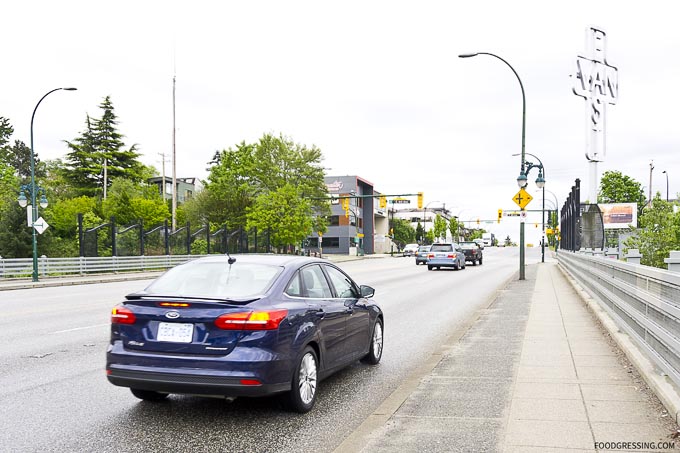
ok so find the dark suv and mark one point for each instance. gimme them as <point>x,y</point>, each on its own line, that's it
<point>473,252</point>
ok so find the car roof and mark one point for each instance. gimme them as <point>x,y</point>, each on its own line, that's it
<point>270,259</point>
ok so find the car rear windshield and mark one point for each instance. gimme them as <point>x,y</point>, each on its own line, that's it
<point>215,280</point>
<point>424,248</point>
<point>469,245</point>
<point>441,248</point>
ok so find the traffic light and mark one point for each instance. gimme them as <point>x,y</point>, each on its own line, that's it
<point>500,215</point>
<point>345,206</point>
<point>383,202</point>
<point>392,232</point>
<point>420,200</point>
<point>477,221</point>
<point>535,225</point>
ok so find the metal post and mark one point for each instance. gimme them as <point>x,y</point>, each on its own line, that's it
<point>81,246</point>
<point>141,237</point>
<point>34,207</point>
<point>167,239</point>
<point>113,236</point>
<point>543,233</point>
<point>524,112</point>
<point>188,238</point>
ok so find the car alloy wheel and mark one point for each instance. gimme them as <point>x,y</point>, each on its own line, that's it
<point>376,348</point>
<point>302,396</point>
<point>307,378</point>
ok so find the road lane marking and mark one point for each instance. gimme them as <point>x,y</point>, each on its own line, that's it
<point>80,328</point>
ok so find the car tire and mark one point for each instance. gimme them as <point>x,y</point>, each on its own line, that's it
<point>474,262</point>
<point>480,261</point>
<point>429,268</point>
<point>149,395</point>
<point>302,394</point>
<point>463,265</point>
<point>375,349</point>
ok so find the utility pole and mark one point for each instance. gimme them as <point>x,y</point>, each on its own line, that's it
<point>651,168</point>
<point>174,162</point>
<point>163,160</point>
<point>106,161</point>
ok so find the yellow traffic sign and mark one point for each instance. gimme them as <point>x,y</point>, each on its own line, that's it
<point>522,198</point>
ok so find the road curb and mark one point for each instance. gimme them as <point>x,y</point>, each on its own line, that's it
<point>659,384</point>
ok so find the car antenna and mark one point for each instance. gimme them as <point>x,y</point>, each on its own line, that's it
<point>231,259</point>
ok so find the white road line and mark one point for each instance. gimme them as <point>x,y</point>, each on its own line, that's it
<point>80,328</point>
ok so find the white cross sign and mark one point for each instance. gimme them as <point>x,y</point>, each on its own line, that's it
<point>597,82</point>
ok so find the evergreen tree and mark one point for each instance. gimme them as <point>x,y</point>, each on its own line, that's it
<point>98,146</point>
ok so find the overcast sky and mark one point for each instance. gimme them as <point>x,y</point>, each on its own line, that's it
<point>377,86</point>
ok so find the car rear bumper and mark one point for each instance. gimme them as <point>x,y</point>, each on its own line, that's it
<point>442,262</point>
<point>189,383</point>
<point>200,375</point>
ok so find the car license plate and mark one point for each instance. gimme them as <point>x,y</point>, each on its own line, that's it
<point>175,332</point>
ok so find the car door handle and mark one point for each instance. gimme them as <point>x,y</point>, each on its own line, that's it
<point>320,313</point>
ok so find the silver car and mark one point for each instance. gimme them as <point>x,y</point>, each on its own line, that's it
<point>446,255</point>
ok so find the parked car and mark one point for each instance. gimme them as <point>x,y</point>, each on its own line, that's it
<point>473,252</point>
<point>248,325</point>
<point>446,255</point>
<point>410,249</point>
<point>421,254</point>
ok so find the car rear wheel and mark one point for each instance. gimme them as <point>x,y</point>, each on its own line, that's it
<point>376,348</point>
<point>149,395</point>
<point>302,395</point>
<point>480,261</point>
<point>429,268</point>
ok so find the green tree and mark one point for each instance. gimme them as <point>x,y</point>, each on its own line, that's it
<point>99,146</point>
<point>19,157</point>
<point>420,233</point>
<point>658,234</point>
<point>63,214</point>
<point>285,213</point>
<point>130,202</point>
<point>6,131</point>
<point>454,228</point>
<point>404,233</point>
<point>618,188</point>
<point>239,176</point>
<point>439,227</point>
<point>15,235</point>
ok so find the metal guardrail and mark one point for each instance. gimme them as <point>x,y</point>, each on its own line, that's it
<point>643,301</point>
<point>54,267</point>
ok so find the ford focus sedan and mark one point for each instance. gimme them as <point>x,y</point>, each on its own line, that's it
<point>248,325</point>
<point>445,255</point>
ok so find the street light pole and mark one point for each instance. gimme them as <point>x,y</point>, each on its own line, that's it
<point>666,173</point>
<point>34,207</point>
<point>524,114</point>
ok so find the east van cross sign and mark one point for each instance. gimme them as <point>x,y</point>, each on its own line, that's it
<point>597,82</point>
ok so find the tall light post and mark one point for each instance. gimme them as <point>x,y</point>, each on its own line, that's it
<point>424,219</point>
<point>540,183</point>
<point>666,173</point>
<point>33,189</point>
<point>521,179</point>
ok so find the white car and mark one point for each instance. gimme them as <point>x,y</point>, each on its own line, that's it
<point>410,250</point>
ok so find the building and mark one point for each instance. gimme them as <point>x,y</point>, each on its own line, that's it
<point>186,187</point>
<point>365,226</point>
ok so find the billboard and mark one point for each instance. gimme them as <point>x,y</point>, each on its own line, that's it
<point>618,215</point>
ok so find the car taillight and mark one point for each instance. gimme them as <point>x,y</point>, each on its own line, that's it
<point>430,255</point>
<point>255,320</point>
<point>450,255</point>
<point>122,315</point>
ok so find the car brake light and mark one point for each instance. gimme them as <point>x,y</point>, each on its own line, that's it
<point>430,255</point>
<point>450,255</point>
<point>256,320</point>
<point>122,315</point>
<point>173,304</point>
<point>250,382</point>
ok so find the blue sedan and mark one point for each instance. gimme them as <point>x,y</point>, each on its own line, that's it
<point>249,325</point>
<point>445,255</point>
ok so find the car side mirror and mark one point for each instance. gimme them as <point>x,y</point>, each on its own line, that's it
<point>367,291</point>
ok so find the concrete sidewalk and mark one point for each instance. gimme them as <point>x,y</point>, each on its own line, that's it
<point>535,372</point>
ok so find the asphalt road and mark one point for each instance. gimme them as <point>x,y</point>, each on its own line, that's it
<point>54,395</point>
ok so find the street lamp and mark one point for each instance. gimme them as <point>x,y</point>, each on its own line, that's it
<point>666,173</point>
<point>424,219</point>
<point>33,189</point>
<point>540,183</point>
<point>520,181</point>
